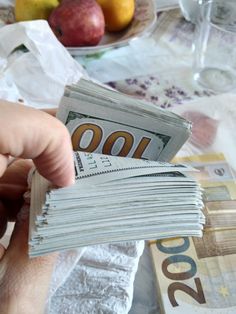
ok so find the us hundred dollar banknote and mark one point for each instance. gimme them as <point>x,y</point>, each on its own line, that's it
<point>105,121</point>
<point>114,199</point>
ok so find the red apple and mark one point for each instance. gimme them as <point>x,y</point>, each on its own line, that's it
<point>78,23</point>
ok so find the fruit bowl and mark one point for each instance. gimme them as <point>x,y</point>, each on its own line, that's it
<point>141,25</point>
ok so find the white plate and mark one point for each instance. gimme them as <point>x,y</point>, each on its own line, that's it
<point>142,24</point>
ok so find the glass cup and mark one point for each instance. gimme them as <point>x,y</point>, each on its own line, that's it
<point>190,9</point>
<point>215,45</point>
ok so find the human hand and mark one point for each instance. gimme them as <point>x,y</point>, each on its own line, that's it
<point>27,133</point>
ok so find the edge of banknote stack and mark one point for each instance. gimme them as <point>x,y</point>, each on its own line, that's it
<point>114,199</point>
<point>146,205</point>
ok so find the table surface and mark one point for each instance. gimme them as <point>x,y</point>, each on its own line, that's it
<point>157,68</point>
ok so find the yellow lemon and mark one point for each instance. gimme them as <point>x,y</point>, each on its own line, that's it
<point>26,10</point>
<point>117,13</point>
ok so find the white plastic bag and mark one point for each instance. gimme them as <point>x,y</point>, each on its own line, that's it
<point>37,72</point>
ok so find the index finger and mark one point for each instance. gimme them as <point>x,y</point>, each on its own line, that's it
<point>32,134</point>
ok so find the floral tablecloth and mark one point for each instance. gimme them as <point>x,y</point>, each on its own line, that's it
<point>158,68</point>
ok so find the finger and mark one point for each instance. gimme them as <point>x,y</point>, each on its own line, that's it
<point>31,133</point>
<point>13,185</point>
<point>19,245</point>
<point>2,251</point>
<point>14,181</point>
<point>52,112</point>
<point>24,276</point>
<point>3,162</point>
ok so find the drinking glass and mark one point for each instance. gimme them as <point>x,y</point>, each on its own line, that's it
<point>215,45</point>
<point>190,9</point>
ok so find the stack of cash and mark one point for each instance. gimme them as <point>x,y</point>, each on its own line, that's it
<point>105,121</point>
<point>114,199</point>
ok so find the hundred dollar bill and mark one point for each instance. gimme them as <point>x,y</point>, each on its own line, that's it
<point>114,199</point>
<point>198,275</point>
<point>105,121</point>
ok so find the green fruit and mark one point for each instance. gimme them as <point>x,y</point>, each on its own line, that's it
<point>26,10</point>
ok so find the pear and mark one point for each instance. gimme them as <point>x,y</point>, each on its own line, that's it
<point>26,10</point>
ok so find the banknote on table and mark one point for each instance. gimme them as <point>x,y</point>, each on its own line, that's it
<point>198,275</point>
<point>105,121</point>
<point>114,199</point>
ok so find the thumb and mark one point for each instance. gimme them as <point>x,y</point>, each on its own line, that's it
<point>30,133</point>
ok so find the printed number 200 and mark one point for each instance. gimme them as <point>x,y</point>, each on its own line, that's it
<point>197,295</point>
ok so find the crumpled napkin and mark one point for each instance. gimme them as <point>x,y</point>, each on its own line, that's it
<point>34,66</point>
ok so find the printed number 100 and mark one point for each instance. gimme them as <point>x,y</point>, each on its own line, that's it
<point>197,294</point>
<point>109,142</point>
